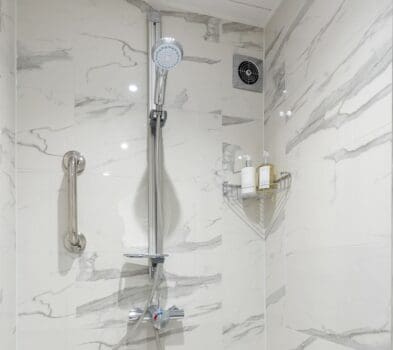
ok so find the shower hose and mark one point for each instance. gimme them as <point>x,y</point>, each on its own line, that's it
<point>153,291</point>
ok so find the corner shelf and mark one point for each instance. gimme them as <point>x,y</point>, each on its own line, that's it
<point>283,184</point>
<point>275,198</point>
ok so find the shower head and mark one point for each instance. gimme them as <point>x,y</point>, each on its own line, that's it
<point>167,53</point>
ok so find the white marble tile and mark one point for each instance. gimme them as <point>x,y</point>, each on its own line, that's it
<point>252,12</point>
<point>328,260</point>
<point>74,93</point>
<point>7,175</point>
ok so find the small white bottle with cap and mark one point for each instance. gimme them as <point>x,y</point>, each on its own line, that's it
<point>248,179</point>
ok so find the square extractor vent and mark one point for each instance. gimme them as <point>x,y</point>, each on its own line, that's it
<point>247,73</point>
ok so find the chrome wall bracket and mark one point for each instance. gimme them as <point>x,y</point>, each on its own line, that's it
<point>157,114</point>
<point>154,16</point>
<point>74,164</point>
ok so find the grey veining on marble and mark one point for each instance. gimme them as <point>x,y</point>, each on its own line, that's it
<point>255,6</point>
<point>279,99</point>
<point>8,239</point>
<point>249,45</point>
<point>183,286</point>
<point>126,48</point>
<point>91,70</point>
<point>43,307</point>
<point>192,281</point>
<point>198,59</point>
<point>122,298</point>
<point>306,343</point>
<point>34,139</point>
<point>350,338</point>
<point>35,60</point>
<point>313,45</point>
<point>188,246</point>
<point>301,100</point>
<point>8,134</point>
<point>92,107</point>
<point>291,28</point>
<point>119,109</point>
<point>181,99</point>
<point>234,27</point>
<point>88,106</point>
<point>88,271</point>
<point>127,54</point>
<point>252,12</point>
<point>141,5</point>
<point>206,309</point>
<point>375,66</point>
<point>279,86</point>
<point>273,42</point>
<point>253,324</point>
<point>335,59</point>
<point>232,120</point>
<point>129,338</point>
<point>212,23</point>
<point>383,19</point>
<point>344,153</point>
<point>276,296</point>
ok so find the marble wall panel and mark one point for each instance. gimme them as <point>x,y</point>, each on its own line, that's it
<point>328,258</point>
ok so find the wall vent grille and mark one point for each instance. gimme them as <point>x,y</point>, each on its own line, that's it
<point>247,73</point>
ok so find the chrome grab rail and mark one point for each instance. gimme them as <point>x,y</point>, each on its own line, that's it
<point>74,163</point>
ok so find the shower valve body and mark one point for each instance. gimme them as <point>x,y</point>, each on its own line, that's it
<point>159,317</point>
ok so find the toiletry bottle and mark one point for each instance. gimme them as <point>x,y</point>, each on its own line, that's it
<point>265,174</point>
<point>248,180</point>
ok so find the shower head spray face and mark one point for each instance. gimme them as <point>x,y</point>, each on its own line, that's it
<point>167,53</point>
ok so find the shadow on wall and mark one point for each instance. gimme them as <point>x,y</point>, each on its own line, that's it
<point>171,205</point>
<point>135,287</point>
<point>144,335</point>
<point>252,210</point>
<point>65,259</point>
<point>134,291</point>
<point>134,283</point>
<point>131,294</point>
<point>248,210</point>
<point>171,215</point>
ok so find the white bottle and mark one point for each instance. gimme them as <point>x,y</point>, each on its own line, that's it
<point>248,179</point>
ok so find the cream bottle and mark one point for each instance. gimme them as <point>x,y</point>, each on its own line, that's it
<point>265,174</point>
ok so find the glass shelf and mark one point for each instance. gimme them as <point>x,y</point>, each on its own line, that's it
<point>145,256</point>
<point>153,258</point>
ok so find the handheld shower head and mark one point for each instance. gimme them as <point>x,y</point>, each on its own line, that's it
<point>167,53</point>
